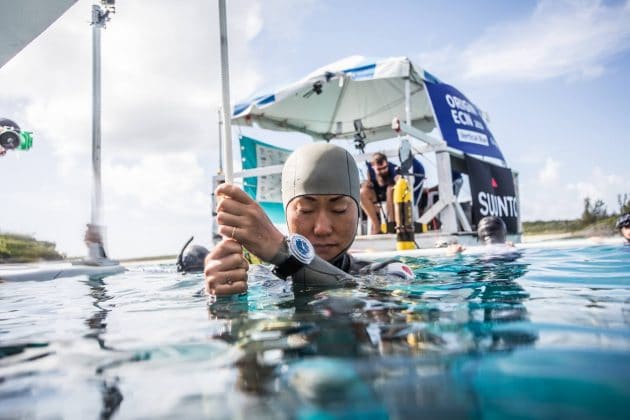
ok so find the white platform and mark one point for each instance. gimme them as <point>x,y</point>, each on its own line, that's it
<point>54,270</point>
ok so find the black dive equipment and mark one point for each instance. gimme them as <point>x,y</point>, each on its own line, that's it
<point>191,259</point>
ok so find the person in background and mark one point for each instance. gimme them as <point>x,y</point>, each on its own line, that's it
<point>623,224</point>
<point>191,258</point>
<point>320,194</point>
<point>379,188</point>
<point>492,232</point>
<point>94,241</point>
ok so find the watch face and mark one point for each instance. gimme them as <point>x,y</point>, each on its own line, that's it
<point>301,248</point>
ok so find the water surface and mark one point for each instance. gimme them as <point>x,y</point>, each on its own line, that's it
<point>544,335</point>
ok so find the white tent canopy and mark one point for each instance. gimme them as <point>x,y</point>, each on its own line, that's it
<point>327,102</point>
<point>21,21</point>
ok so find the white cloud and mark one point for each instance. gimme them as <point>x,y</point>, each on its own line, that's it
<point>561,39</point>
<point>549,173</point>
<point>283,18</point>
<point>599,186</point>
<point>170,182</point>
<point>558,194</point>
<point>161,88</point>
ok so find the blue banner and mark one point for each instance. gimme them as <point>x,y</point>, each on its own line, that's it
<point>461,123</point>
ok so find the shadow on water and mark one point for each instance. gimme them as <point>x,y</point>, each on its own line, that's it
<point>382,349</point>
<point>97,323</point>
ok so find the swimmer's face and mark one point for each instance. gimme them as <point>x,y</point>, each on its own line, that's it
<point>329,222</point>
<point>625,232</point>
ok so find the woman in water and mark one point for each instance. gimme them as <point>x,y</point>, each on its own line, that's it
<point>320,194</point>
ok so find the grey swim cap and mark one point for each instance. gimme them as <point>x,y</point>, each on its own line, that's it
<point>491,230</point>
<point>320,168</point>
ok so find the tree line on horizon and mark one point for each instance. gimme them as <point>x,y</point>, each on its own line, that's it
<point>19,248</point>
<point>594,216</point>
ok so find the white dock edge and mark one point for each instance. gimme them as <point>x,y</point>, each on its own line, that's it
<point>361,251</point>
<point>51,271</point>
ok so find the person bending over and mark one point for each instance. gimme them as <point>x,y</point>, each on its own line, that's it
<point>379,188</point>
<point>320,194</point>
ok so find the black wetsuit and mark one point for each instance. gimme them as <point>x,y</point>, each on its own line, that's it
<point>349,264</point>
<point>343,271</point>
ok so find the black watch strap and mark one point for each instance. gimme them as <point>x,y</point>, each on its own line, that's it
<point>296,252</point>
<point>287,268</point>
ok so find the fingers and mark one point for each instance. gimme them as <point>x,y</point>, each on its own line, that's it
<point>233,192</point>
<point>227,282</point>
<point>226,269</point>
<point>242,219</point>
<point>223,249</point>
<point>229,220</point>
<point>233,261</point>
<point>228,232</point>
<point>228,205</point>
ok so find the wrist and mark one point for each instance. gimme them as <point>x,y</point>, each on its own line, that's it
<point>282,253</point>
<point>295,252</point>
<point>277,247</point>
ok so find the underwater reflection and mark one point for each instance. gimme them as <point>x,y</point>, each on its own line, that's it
<point>471,307</point>
<point>97,323</point>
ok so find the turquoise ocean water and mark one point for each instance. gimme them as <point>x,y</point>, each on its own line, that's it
<point>545,335</point>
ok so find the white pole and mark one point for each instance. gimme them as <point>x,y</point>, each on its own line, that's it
<point>411,180</point>
<point>225,85</point>
<point>408,100</point>
<point>96,115</point>
<point>219,116</point>
<point>95,243</point>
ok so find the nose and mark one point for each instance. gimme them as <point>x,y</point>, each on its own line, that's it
<point>323,224</point>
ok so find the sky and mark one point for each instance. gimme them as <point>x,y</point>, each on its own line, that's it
<point>553,77</point>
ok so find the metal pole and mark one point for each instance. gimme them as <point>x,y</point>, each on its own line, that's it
<point>96,115</point>
<point>410,179</point>
<point>219,111</point>
<point>225,85</point>
<point>408,100</point>
<point>94,236</point>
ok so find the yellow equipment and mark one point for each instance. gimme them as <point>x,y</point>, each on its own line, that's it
<point>251,258</point>
<point>403,215</point>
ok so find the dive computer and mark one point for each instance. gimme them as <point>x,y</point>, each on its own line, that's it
<point>295,252</point>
